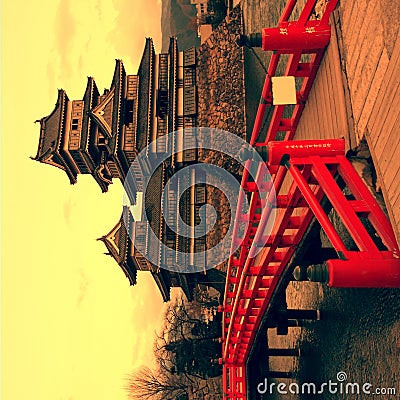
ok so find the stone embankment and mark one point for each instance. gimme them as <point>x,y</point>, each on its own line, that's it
<point>221,105</point>
<point>220,78</point>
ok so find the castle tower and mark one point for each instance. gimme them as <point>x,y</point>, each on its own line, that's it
<point>102,133</point>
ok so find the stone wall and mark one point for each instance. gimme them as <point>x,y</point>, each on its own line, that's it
<point>221,105</point>
<point>220,78</point>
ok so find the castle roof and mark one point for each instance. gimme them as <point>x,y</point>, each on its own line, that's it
<point>51,126</point>
<point>118,244</point>
<point>145,74</point>
<point>163,283</point>
<point>90,98</point>
<point>107,113</point>
<point>51,137</point>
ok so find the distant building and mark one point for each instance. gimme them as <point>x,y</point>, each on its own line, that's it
<point>209,14</point>
<point>202,7</point>
<point>204,11</point>
<point>102,134</point>
<point>204,31</point>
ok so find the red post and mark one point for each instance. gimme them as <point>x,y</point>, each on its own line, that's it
<point>291,36</point>
<point>358,272</point>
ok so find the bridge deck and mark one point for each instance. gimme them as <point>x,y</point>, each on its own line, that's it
<point>356,94</point>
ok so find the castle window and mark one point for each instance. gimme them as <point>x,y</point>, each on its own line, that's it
<point>75,124</point>
<point>129,105</point>
<point>190,77</point>
<point>162,103</point>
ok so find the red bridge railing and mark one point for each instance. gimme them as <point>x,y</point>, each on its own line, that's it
<point>311,172</point>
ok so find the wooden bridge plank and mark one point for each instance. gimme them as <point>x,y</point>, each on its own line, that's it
<point>357,45</point>
<point>388,124</point>
<point>371,99</point>
<point>348,8</point>
<point>385,95</point>
<point>364,75</point>
<point>390,160</point>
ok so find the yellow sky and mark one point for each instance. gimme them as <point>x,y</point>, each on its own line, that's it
<point>72,328</point>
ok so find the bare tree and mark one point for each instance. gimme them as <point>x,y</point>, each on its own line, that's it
<point>189,341</point>
<point>183,369</point>
<point>207,298</point>
<point>146,384</point>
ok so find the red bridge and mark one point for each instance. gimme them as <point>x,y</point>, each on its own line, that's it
<point>309,178</point>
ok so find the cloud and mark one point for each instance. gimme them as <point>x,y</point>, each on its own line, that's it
<point>128,35</point>
<point>83,286</point>
<point>142,347</point>
<point>64,29</point>
<point>69,205</point>
<point>147,316</point>
<point>51,78</point>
